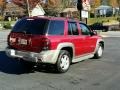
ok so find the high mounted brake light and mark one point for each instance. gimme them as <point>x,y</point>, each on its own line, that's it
<point>30,19</point>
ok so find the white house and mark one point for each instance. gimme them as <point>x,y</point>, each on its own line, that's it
<point>37,11</point>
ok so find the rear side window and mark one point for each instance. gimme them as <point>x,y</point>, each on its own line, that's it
<point>56,27</point>
<point>72,28</point>
<point>31,26</point>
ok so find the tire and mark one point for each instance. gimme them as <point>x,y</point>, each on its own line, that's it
<point>63,62</point>
<point>98,54</point>
<point>104,30</point>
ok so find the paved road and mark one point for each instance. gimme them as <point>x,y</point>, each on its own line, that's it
<point>3,39</point>
<point>92,74</point>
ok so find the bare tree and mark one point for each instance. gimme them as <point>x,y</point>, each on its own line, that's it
<point>24,4</point>
<point>51,7</point>
<point>119,5</point>
<point>2,6</point>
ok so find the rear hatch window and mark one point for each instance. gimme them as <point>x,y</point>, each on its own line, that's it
<point>31,26</point>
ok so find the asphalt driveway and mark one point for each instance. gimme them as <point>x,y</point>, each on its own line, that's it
<point>91,74</point>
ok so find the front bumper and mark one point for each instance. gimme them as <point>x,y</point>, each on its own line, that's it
<point>49,56</point>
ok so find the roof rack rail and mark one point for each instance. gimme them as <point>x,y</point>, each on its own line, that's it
<point>72,18</point>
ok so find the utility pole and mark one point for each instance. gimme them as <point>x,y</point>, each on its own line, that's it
<point>80,7</point>
<point>28,8</point>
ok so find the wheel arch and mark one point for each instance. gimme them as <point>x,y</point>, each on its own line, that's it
<point>99,41</point>
<point>102,43</point>
<point>68,47</point>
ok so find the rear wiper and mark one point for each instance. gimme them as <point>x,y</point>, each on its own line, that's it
<point>22,31</point>
<point>25,32</point>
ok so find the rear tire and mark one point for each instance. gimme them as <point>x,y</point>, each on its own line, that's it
<point>63,62</point>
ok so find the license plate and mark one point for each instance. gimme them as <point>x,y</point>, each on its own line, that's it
<point>23,41</point>
<point>12,52</point>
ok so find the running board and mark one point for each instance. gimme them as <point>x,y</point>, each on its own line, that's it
<point>81,58</point>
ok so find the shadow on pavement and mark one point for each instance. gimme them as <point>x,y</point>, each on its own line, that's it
<point>8,65</point>
<point>11,66</point>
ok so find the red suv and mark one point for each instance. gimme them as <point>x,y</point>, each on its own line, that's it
<point>53,40</point>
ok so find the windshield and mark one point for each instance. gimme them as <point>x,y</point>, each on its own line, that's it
<point>31,26</point>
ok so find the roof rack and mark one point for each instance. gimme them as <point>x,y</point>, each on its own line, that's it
<point>43,16</point>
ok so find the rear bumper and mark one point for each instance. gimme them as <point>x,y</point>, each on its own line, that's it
<point>49,56</point>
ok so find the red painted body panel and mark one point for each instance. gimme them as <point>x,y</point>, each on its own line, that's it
<point>35,43</point>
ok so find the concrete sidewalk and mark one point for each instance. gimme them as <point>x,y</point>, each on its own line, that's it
<point>3,39</point>
<point>110,34</point>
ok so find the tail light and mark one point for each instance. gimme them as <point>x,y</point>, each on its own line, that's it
<point>11,40</point>
<point>46,44</point>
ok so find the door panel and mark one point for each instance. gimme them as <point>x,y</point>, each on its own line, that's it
<point>75,38</point>
<point>89,41</point>
<point>78,44</point>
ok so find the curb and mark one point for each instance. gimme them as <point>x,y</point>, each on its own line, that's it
<point>104,36</point>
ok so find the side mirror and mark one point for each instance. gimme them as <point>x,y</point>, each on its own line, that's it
<point>93,33</point>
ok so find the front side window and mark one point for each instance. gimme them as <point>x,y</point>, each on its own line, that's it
<point>72,28</point>
<point>84,29</point>
<point>56,27</point>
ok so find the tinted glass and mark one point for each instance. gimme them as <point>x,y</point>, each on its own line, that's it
<point>56,27</point>
<point>72,28</point>
<point>84,29</point>
<point>69,29</point>
<point>31,26</point>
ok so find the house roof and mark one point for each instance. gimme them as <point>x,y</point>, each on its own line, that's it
<point>103,7</point>
<point>13,7</point>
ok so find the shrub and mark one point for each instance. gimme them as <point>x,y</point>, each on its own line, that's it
<point>7,25</point>
<point>1,18</point>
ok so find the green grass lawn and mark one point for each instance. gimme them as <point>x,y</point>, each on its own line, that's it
<point>7,24</point>
<point>102,20</point>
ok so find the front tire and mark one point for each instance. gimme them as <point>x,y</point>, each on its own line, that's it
<point>99,52</point>
<point>63,62</point>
